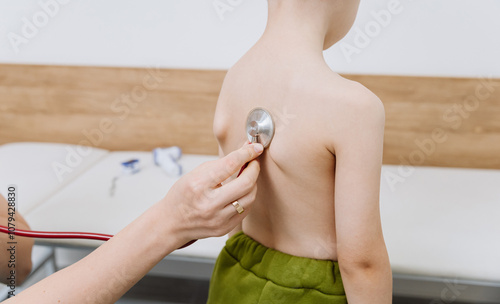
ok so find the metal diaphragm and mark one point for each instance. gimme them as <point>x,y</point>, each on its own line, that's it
<point>260,127</point>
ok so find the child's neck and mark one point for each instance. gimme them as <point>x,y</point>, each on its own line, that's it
<point>296,28</point>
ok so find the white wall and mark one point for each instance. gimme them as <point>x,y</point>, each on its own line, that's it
<point>424,37</point>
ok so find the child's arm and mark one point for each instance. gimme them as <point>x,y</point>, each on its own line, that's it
<point>362,255</point>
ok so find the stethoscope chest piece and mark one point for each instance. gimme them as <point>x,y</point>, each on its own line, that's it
<point>260,127</point>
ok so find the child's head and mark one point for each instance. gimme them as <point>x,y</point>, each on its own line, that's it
<point>342,15</point>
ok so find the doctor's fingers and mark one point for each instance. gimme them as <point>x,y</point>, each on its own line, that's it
<point>230,164</point>
<point>232,215</point>
<point>238,187</point>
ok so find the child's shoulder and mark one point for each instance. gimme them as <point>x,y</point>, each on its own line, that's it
<point>348,111</point>
<point>348,96</point>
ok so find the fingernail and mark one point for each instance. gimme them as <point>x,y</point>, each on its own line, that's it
<point>258,148</point>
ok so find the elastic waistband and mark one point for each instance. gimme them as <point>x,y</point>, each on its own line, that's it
<point>284,269</point>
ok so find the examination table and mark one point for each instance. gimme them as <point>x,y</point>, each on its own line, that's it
<point>441,225</point>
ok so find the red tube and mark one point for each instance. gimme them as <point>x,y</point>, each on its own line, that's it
<point>57,235</point>
<point>242,168</point>
<point>64,235</point>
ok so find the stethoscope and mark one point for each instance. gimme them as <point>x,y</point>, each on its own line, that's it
<point>259,129</point>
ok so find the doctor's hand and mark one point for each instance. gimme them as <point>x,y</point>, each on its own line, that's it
<point>201,204</point>
<point>197,206</point>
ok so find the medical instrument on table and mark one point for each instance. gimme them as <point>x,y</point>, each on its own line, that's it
<point>259,129</point>
<point>128,168</point>
<point>167,159</point>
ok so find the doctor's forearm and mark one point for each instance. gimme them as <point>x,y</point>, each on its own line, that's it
<point>108,272</point>
<point>196,207</point>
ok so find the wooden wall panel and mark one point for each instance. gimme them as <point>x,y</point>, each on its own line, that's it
<point>110,108</point>
<point>464,111</point>
<point>139,109</point>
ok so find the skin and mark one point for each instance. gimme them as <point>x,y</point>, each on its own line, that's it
<point>320,178</point>
<point>23,247</point>
<point>196,207</point>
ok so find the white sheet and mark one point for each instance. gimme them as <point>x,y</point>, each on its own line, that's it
<point>443,222</point>
<point>41,169</point>
<point>86,204</point>
<point>440,222</point>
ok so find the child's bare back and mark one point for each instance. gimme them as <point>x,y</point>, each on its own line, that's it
<point>318,190</point>
<point>295,207</point>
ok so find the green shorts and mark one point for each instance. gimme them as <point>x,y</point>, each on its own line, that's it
<point>247,272</point>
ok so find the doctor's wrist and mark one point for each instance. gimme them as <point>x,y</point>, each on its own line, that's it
<point>167,233</point>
